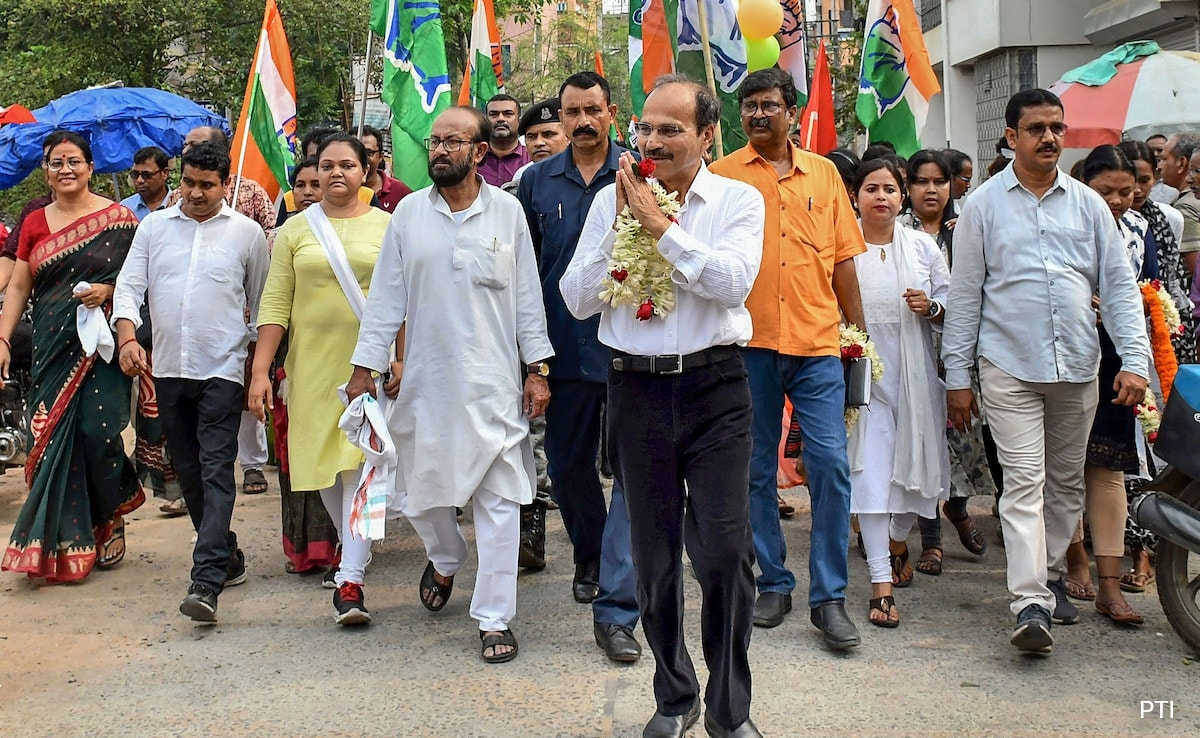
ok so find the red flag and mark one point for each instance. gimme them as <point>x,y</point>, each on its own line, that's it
<point>818,129</point>
<point>16,114</point>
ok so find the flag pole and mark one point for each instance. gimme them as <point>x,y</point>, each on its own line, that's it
<point>362,105</point>
<point>245,133</point>
<point>706,45</point>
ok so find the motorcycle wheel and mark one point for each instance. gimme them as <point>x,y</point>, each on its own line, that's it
<point>1178,575</point>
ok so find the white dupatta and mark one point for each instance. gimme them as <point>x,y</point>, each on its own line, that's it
<point>365,419</point>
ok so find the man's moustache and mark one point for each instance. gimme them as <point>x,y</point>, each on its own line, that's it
<point>760,122</point>
<point>658,154</point>
<point>584,131</point>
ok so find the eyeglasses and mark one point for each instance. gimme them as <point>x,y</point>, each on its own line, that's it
<point>136,174</point>
<point>768,108</point>
<point>645,129</point>
<point>450,144</point>
<point>57,165</point>
<point>1038,130</point>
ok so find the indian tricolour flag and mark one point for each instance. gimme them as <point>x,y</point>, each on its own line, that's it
<point>896,81</point>
<point>484,75</point>
<point>264,146</point>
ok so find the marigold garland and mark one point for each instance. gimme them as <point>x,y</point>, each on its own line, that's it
<point>1165,362</point>
<point>855,344</point>
<point>638,275</point>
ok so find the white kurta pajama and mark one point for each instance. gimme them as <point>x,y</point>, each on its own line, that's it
<point>472,301</point>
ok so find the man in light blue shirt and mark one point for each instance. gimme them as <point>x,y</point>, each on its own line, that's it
<point>1031,248</point>
<point>149,177</point>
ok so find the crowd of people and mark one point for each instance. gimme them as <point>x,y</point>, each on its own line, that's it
<point>468,326</point>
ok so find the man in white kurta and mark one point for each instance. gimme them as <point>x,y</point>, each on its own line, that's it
<point>457,266</point>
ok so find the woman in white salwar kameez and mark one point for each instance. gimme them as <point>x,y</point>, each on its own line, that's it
<point>899,462</point>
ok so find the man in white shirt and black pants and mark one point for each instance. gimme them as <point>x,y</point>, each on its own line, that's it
<point>201,263</point>
<point>679,404</point>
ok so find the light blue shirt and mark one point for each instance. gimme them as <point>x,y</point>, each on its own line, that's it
<point>135,203</point>
<point>1022,283</point>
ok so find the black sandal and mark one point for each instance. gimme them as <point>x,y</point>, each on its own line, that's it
<point>107,559</point>
<point>931,561</point>
<point>968,534</point>
<point>492,640</point>
<point>885,605</point>
<point>431,590</point>
<point>899,564</point>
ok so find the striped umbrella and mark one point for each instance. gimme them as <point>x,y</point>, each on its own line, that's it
<point>16,114</point>
<point>1159,93</point>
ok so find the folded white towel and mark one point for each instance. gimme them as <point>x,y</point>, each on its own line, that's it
<point>94,333</point>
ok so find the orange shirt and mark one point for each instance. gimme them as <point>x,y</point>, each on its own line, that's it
<point>810,227</point>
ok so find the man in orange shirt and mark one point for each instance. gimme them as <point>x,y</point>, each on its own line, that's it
<point>805,286</point>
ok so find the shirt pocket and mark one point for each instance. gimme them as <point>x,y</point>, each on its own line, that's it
<point>493,264</point>
<point>1078,249</point>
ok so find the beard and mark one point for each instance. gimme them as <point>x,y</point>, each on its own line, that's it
<point>455,174</point>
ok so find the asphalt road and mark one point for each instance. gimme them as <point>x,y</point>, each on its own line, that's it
<point>112,656</point>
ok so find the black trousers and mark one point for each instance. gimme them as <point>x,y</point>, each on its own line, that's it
<point>680,446</point>
<point>200,420</point>
<point>572,442</point>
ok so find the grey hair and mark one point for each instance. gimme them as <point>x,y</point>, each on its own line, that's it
<point>708,107</point>
<point>1186,144</point>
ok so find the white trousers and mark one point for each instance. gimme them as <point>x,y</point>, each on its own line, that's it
<point>356,552</point>
<point>252,442</point>
<point>1041,433</point>
<point>497,539</point>
<point>877,529</point>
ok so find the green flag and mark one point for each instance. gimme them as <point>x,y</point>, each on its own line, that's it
<point>416,85</point>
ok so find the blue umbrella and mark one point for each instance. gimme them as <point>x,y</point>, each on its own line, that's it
<point>116,121</point>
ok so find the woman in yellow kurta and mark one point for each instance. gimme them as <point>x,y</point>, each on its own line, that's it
<point>303,298</point>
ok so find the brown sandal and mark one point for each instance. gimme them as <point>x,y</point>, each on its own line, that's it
<point>902,572</point>
<point>1120,613</point>
<point>1136,582</point>
<point>968,534</point>
<point>1080,590</point>
<point>931,561</point>
<point>887,606</point>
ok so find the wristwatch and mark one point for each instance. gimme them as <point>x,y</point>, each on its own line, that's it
<point>539,368</point>
<point>935,309</point>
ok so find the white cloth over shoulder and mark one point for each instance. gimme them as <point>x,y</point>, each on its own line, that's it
<point>365,423</point>
<point>92,326</point>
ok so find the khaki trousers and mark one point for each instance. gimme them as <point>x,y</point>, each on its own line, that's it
<point>1041,433</point>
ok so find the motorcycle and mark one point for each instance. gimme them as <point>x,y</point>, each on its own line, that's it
<point>1171,507</point>
<point>16,439</point>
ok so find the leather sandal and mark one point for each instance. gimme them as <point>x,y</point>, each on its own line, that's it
<point>108,558</point>
<point>431,589</point>
<point>887,606</point>
<point>1136,582</point>
<point>1080,590</point>
<point>902,573</point>
<point>931,561</point>
<point>492,640</point>
<point>1120,613</point>
<point>968,534</point>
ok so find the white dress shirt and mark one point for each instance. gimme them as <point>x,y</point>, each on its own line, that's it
<point>716,248</point>
<point>200,277</point>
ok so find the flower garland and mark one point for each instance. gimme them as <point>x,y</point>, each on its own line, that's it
<point>1170,311</point>
<point>638,275</point>
<point>1148,415</point>
<point>855,344</point>
<point>1165,362</point>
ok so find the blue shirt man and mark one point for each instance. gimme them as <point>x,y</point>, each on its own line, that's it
<point>556,194</point>
<point>149,178</point>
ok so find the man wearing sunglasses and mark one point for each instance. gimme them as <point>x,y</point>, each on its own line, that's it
<point>149,178</point>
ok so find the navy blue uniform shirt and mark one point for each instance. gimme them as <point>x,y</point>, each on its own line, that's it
<point>556,202</point>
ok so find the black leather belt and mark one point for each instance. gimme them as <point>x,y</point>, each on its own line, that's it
<point>673,363</point>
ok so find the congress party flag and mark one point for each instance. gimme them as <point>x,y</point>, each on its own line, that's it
<point>484,76</point>
<point>416,84</point>
<point>896,81</point>
<point>793,50</point>
<point>264,146</point>
<point>728,53</point>
<point>653,42</point>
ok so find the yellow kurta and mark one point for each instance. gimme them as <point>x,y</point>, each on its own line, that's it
<point>303,295</point>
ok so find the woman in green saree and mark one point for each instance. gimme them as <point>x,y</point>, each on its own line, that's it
<point>80,480</point>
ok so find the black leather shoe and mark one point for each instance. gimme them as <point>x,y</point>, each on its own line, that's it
<point>532,551</point>
<point>831,618</point>
<point>672,726</point>
<point>617,642</point>
<point>770,607</point>
<point>745,730</point>
<point>586,586</point>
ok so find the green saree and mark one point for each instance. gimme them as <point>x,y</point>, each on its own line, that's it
<point>80,479</point>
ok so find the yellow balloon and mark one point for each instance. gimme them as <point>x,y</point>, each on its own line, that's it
<point>761,53</point>
<point>760,19</point>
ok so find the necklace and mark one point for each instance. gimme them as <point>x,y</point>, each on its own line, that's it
<point>882,254</point>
